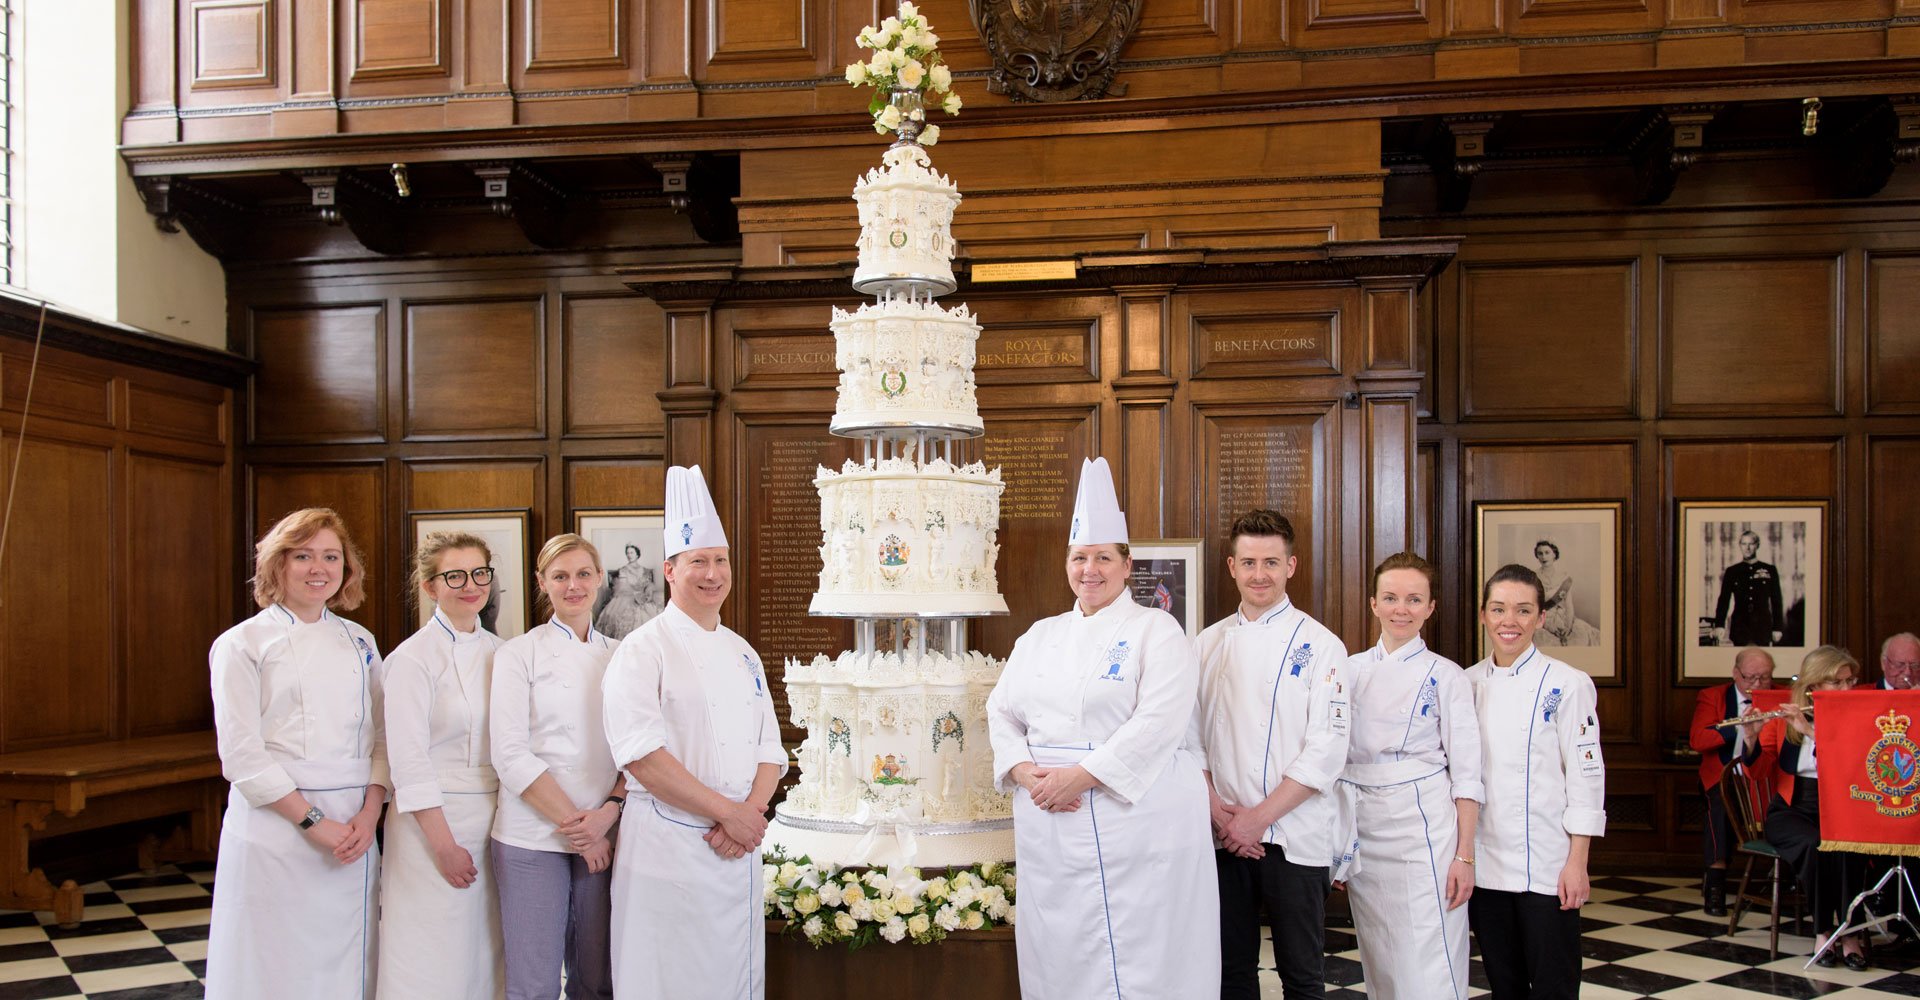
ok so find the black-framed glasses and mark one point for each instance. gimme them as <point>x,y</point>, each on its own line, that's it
<point>457,578</point>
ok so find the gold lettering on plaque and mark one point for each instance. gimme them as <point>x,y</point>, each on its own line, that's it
<point>1034,464</point>
<point>1025,270</point>
<point>1063,351</point>
<point>1264,467</point>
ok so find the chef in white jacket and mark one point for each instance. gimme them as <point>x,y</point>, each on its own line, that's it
<point>1409,798</point>
<point>296,704</point>
<point>1090,724</point>
<point>1274,719</point>
<point>439,917</point>
<point>560,794</point>
<point>691,723</point>
<point>1546,799</point>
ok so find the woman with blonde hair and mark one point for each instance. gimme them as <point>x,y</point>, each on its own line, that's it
<point>440,925</point>
<point>1786,747</point>
<point>296,706</point>
<point>551,852</point>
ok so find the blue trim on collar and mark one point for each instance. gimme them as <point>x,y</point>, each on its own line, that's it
<point>1286,605</point>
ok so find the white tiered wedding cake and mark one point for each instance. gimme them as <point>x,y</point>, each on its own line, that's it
<point>896,767</point>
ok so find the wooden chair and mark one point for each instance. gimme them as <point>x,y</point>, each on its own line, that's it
<point>1741,795</point>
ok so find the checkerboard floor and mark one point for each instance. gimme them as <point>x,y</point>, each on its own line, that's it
<point>144,937</point>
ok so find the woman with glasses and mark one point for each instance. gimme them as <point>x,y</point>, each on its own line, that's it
<point>560,794</point>
<point>440,927</point>
<point>296,705</point>
<point>1829,878</point>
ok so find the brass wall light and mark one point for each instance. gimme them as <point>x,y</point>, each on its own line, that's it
<point>400,183</point>
<point>1810,116</point>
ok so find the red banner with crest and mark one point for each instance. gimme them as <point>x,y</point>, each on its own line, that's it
<point>1868,746</point>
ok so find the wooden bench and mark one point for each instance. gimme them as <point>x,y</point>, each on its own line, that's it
<point>43,793</point>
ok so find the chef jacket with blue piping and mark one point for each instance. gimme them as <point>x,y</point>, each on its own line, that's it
<point>1545,778</point>
<point>545,719</point>
<point>1414,704</point>
<point>266,711</point>
<point>437,685</point>
<point>1275,703</point>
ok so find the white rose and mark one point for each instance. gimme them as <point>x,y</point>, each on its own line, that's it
<point>830,894</point>
<point>889,30</point>
<point>880,65</point>
<point>919,925</point>
<point>883,909</point>
<point>909,37</point>
<point>972,920</point>
<point>907,10</point>
<point>889,117</point>
<point>937,889</point>
<point>941,76</point>
<point>844,923</point>
<point>928,38</point>
<point>903,901</point>
<point>856,73</point>
<point>812,927</point>
<point>879,881</point>
<point>865,37</point>
<point>964,880</point>
<point>893,930</point>
<point>1011,908</point>
<point>898,57</point>
<point>1009,880</point>
<point>852,893</point>
<point>806,903</point>
<point>789,871</point>
<point>862,909</point>
<point>912,74</point>
<point>948,918</point>
<point>930,135</point>
<point>951,105</point>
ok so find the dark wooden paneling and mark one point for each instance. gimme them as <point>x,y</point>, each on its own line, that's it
<point>59,392</point>
<point>1283,458</point>
<point>1529,330</point>
<point>58,581</point>
<point>1893,588</point>
<point>1893,333</point>
<point>1733,470</point>
<point>176,515</point>
<point>792,358</point>
<point>474,370</point>
<point>752,30</point>
<point>232,43</point>
<point>1049,340</point>
<point>321,377</point>
<point>575,34</point>
<point>614,484</point>
<point>357,491</point>
<point>1742,335</point>
<point>473,486</point>
<point>615,353</point>
<point>1261,334</point>
<point>1038,453</point>
<point>200,417</point>
<point>399,38</point>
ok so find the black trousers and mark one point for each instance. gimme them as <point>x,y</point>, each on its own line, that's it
<point>1830,879</point>
<point>1716,841</point>
<point>1296,903</point>
<point>1529,946</point>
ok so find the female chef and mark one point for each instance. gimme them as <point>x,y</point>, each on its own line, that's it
<point>551,855</point>
<point>1090,720</point>
<point>296,703</point>
<point>439,921</point>
<point>1410,797</point>
<point>1545,799</point>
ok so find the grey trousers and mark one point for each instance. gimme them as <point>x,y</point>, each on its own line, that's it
<point>552,910</point>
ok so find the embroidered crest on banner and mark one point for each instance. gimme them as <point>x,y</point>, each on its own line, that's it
<point>1891,770</point>
<point>1300,659</point>
<point>1552,705</point>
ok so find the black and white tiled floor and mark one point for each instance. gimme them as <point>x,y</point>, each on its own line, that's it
<point>145,938</point>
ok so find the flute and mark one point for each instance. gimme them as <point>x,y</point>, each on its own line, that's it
<point>1778,713</point>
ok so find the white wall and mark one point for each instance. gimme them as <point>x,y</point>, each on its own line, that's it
<point>86,239</point>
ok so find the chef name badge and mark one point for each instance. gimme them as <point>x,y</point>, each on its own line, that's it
<point>1587,753</point>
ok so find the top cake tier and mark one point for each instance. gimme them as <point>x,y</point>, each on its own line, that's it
<point>906,225</point>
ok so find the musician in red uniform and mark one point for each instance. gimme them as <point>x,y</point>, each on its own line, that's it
<point>1720,746</point>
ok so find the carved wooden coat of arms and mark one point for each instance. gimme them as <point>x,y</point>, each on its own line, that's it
<point>1054,50</point>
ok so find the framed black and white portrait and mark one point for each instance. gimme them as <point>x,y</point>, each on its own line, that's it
<point>632,550</point>
<point>1166,575</point>
<point>1751,574</point>
<point>1574,547</point>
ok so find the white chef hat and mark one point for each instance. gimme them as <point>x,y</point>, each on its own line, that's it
<point>692,523</point>
<point>1097,518</point>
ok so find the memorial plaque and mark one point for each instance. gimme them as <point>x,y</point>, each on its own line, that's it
<point>778,512</point>
<point>1265,344</point>
<point>1035,352</point>
<point>1272,461</point>
<point>1039,455</point>
<point>785,358</point>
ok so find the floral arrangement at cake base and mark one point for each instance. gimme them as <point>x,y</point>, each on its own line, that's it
<point>828,904</point>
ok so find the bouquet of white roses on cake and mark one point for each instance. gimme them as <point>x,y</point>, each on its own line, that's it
<point>907,75</point>
<point>827,904</point>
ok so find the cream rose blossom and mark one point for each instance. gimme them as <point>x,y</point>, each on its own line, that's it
<point>844,923</point>
<point>940,77</point>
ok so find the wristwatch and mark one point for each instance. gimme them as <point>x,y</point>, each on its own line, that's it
<point>314,815</point>
<point>619,802</point>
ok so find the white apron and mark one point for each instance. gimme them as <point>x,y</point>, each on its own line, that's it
<point>429,929</point>
<point>687,923</point>
<point>1098,885</point>
<point>1411,946</point>
<point>289,921</point>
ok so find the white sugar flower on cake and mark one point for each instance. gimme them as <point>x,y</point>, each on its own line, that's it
<point>907,75</point>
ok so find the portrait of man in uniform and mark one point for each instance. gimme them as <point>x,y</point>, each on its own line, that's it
<point>1751,575</point>
<point>1749,612</point>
